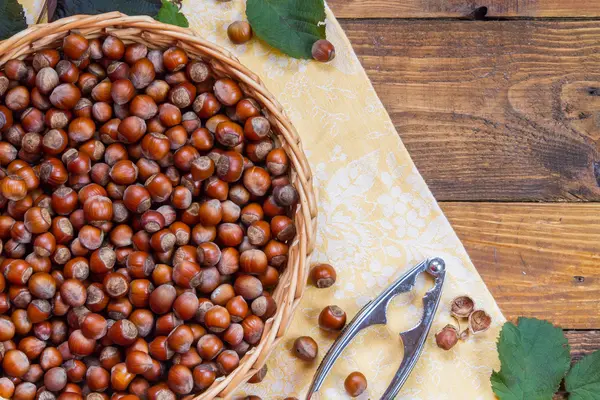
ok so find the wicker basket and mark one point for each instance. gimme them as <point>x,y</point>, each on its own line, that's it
<point>154,34</point>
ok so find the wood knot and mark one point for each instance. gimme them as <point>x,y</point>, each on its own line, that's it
<point>593,91</point>
<point>479,13</point>
<point>596,166</point>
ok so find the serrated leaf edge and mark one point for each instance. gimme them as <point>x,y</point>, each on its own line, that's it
<point>21,13</point>
<point>251,4</point>
<point>496,374</point>
<point>178,17</point>
<point>575,367</point>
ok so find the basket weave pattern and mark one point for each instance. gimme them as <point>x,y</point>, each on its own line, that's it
<point>157,35</point>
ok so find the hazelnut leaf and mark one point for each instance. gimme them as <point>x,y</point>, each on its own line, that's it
<point>12,18</point>
<point>535,358</point>
<point>169,14</point>
<point>66,8</point>
<point>291,26</point>
<point>583,381</point>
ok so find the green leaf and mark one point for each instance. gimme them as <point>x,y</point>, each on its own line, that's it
<point>170,14</point>
<point>583,381</point>
<point>67,8</point>
<point>291,26</point>
<point>534,356</point>
<point>12,18</point>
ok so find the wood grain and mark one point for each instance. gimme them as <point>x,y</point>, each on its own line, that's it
<point>538,260</point>
<point>462,8</point>
<point>502,110</point>
<point>583,343</point>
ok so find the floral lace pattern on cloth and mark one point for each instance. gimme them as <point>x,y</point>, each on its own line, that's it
<point>377,218</point>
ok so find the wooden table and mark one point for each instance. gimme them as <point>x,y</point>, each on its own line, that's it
<point>499,108</point>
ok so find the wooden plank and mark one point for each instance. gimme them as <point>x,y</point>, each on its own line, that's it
<point>462,8</point>
<point>538,260</point>
<point>509,110</point>
<point>583,343</point>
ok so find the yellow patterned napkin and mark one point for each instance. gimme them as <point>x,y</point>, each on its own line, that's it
<point>376,219</point>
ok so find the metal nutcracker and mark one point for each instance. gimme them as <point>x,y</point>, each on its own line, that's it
<point>375,313</point>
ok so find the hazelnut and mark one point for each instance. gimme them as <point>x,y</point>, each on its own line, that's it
<point>227,91</point>
<point>15,363</point>
<point>323,50</point>
<point>113,48</point>
<point>122,91</point>
<point>479,321</point>
<point>46,80</point>
<point>74,46</point>
<point>332,318</point>
<point>180,379</point>
<point>107,171</point>
<point>323,276</point>
<point>447,337</point>
<point>138,362</point>
<point>355,384</point>
<point>239,32</point>
<point>462,306</point>
<point>305,348</point>
<point>174,59</point>
<point>65,96</point>
<point>142,73</point>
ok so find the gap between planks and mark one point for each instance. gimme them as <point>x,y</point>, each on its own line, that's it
<point>538,260</point>
<point>509,110</point>
<point>462,8</point>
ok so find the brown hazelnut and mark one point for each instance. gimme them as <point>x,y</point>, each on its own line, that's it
<point>79,345</point>
<point>332,318</point>
<point>323,50</point>
<point>113,48</point>
<point>180,379</point>
<point>185,305</point>
<point>264,306</point>
<point>158,90</point>
<point>479,321</point>
<point>228,361</point>
<point>447,337</point>
<point>180,339</point>
<point>462,306</point>
<point>74,46</point>
<point>120,377</point>
<point>142,73</point>
<point>323,275</point>
<point>46,80</point>
<point>174,59</point>
<point>65,96</point>
<point>253,329</point>
<point>229,134</point>
<point>138,362</point>
<point>305,348</point>
<point>355,384</point>
<point>239,32</point>
<point>251,213</point>
<point>227,91</point>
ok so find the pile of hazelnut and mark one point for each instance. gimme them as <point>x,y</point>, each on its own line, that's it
<point>463,308</point>
<point>144,215</point>
<point>332,319</point>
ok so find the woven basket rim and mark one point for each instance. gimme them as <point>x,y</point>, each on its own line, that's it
<point>154,34</point>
